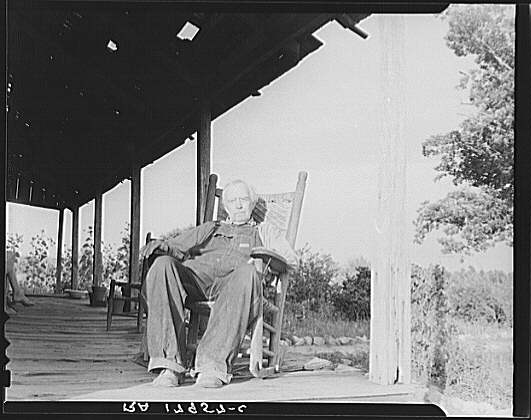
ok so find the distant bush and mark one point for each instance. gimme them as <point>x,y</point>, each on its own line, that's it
<point>311,287</point>
<point>479,296</point>
<point>352,298</point>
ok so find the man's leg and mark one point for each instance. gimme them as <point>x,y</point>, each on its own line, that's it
<point>168,283</point>
<point>7,305</point>
<point>18,293</point>
<point>237,298</point>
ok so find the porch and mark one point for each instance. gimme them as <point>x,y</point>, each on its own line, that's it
<point>59,350</point>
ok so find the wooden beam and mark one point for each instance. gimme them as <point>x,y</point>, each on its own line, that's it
<point>59,266</point>
<point>74,281</point>
<point>243,59</point>
<point>98,222</point>
<point>135,225</point>
<point>522,215</point>
<point>203,158</point>
<point>390,343</point>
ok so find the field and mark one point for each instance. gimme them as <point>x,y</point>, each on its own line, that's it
<point>478,372</point>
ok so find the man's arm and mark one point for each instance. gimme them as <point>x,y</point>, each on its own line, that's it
<point>179,246</point>
<point>273,239</point>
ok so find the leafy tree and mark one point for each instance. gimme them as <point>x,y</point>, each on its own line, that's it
<point>478,156</point>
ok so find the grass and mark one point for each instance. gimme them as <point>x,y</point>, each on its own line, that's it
<point>479,367</point>
<point>322,325</point>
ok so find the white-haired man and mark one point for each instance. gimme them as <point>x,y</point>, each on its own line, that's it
<point>211,261</point>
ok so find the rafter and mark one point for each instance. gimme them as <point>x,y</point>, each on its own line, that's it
<point>84,69</point>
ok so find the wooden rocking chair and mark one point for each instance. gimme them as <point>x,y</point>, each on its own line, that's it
<point>283,211</point>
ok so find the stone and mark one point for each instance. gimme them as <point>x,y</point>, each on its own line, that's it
<point>298,341</point>
<point>344,340</point>
<point>308,340</point>
<point>347,362</point>
<point>285,343</point>
<point>318,341</point>
<point>345,368</point>
<point>331,340</point>
<point>317,363</point>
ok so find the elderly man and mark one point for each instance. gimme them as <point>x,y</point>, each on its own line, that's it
<point>211,261</point>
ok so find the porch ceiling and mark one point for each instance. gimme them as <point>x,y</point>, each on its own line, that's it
<point>81,114</point>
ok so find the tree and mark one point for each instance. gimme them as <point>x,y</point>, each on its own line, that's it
<point>478,156</point>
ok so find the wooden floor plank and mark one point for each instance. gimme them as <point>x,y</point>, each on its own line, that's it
<point>60,348</point>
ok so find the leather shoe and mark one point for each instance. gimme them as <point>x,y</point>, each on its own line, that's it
<point>208,381</point>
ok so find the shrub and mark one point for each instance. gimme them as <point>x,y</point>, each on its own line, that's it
<point>311,285</point>
<point>352,299</point>
<point>478,296</point>
<point>39,273</point>
<point>430,331</point>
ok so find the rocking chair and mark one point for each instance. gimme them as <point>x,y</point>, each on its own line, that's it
<point>283,211</point>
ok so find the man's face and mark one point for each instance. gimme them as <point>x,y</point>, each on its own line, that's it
<point>238,203</point>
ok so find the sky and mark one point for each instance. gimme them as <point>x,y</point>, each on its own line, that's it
<point>323,117</point>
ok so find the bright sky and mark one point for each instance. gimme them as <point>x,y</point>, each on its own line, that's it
<point>321,117</point>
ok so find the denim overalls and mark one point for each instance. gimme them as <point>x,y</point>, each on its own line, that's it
<point>222,272</point>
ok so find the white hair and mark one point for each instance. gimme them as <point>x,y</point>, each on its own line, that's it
<point>252,193</point>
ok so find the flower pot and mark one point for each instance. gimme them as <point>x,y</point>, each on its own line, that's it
<point>118,306</point>
<point>98,296</point>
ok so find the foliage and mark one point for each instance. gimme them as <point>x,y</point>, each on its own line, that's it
<point>311,284</point>
<point>38,272</point>
<point>481,297</point>
<point>470,221</point>
<point>352,299</point>
<point>66,272</point>
<point>480,153</point>
<point>14,240</point>
<point>430,331</point>
<point>86,268</point>
<point>122,253</point>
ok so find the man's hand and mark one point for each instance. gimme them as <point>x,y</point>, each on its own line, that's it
<point>150,247</point>
<point>258,263</point>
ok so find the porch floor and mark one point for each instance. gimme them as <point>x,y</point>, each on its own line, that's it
<point>59,350</point>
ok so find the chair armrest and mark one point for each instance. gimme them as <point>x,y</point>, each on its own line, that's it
<point>276,262</point>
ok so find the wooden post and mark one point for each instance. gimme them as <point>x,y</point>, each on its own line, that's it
<point>203,158</point>
<point>98,219</point>
<point>74,281</point>
<point>135,226</point>
<point>59,266</point>
<point>390,332</point>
